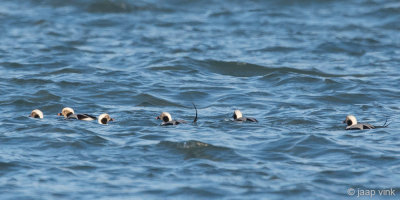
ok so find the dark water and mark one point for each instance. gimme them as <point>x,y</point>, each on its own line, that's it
<point>299,67</point>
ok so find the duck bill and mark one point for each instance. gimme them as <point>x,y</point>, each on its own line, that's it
<point>59,114</point>
<point>344,122</point>
<point>112,119</point>
<point>158,117</point>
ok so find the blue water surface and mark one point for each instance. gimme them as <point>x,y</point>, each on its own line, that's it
<point>299,67</point>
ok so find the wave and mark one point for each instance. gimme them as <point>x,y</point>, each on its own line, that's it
<point>243,69</point>
<point>351,48</point>
<point>105,6</point>
<point>145,99</point>
<point>196,149</point>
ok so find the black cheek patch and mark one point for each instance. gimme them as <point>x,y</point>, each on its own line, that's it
<point>234,116</point>
<point>349,122</point>
<point>36,116</point>
<point>104,121</point>
<point>165,119</point>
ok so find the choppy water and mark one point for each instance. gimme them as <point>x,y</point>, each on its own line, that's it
<point>299,67</point>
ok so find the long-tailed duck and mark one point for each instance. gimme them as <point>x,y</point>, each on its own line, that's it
<point>237,116</point>
<point>69,113</point>
<point>167,119</point>
<point>352,124</point>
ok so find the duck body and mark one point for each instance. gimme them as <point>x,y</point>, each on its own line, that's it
<point>360,127</point>
<point>173,122</point>
<point>245,119</point>
<point>84,117</point>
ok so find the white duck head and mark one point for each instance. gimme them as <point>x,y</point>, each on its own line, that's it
<point>66,112</point>
<point>237,114</point>
<point>104,118</point>
<point>350,120</point>
<point>166,117</point>
<point>36,114</point>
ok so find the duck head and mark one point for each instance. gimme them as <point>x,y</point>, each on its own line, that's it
<point>350,120</point>
<point>237,114</point>
<point>104,118</point>
<point>66,112</point>
<point>36,114</point>
<point>165,117</point>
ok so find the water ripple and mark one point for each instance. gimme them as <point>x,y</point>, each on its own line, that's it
<point>298,67</point>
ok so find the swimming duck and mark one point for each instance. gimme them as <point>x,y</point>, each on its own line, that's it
<point>104,118</point>
<point>167,119</point>
<point>36,114</point>
<point>352,124</point>
<point>237,116</point>
<point>69,113</point>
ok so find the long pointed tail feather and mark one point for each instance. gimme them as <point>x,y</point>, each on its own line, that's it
<point>386,124</point>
